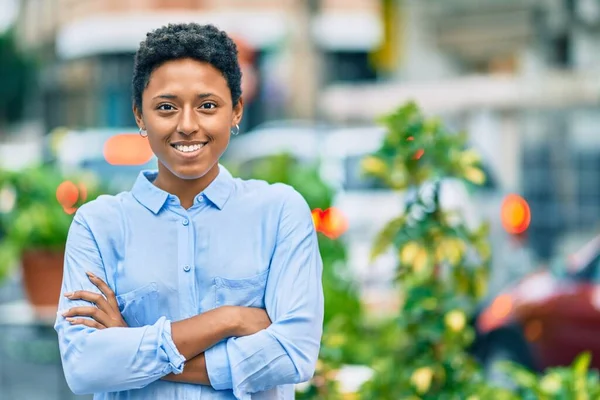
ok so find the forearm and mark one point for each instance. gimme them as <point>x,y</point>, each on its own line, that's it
<point>275,356</point>
<point>194,372</point>
<point>194,335</point>
<point>116,359</point>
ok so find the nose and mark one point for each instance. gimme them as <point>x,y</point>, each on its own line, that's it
<point>188,123</point>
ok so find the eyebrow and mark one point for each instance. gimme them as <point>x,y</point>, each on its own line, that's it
<point>172,96</point>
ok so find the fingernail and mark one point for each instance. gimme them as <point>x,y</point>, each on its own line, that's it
<point>90,275</point>
<point>68,294</point>
<point>71,320</point>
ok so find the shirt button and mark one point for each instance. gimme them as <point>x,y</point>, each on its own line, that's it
<point>185,222</point>
<point>186,268</point>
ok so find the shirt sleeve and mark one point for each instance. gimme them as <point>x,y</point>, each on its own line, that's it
<point>114,359</point>
<point>287,351</point>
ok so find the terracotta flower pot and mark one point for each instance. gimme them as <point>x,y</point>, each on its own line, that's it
<point>42,279</point>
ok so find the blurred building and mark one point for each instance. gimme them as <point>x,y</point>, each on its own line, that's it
<point>522,77</point>
<point>87,48</point>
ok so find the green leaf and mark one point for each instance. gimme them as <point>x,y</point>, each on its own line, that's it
<point>582,363</point>
<point>522,376</point>
<point>386,236</point>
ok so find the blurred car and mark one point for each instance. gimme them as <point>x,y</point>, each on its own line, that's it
<point>114,156</point>
<point>300,139</point>
<point>545,319</point>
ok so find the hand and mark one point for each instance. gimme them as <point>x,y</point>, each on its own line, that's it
<point>106,314</point>
<point>251,320</point>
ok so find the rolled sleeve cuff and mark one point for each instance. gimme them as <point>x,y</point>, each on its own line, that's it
<point>252,352</point>
<point>174,357</point>
<point>256,363</point>
<point>217,366</point>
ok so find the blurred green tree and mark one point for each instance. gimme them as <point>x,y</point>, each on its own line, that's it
<point>577,381</point>
<point>442,269</point>
<point>17,75</point>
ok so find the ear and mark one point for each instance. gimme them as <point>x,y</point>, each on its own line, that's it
<point>137,113</point>
<point>238,112</point>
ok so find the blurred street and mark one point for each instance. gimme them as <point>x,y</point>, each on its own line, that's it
<point>488,246</point>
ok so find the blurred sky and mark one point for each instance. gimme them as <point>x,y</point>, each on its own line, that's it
<point>8,13</point>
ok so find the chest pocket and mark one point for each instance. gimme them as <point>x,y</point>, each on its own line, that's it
<point>139,307</point>
<point>246,292</point>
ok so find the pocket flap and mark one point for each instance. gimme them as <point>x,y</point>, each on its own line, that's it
<point>150,289</point>
<point>253,281</point>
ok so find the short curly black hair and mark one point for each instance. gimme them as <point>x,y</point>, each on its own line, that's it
<point>177,41</point>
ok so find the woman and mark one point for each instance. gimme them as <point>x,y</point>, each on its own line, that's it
<point>194,284</point>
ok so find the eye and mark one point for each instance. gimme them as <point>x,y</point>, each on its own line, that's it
<point>208,106</point>
<point>165,107</point>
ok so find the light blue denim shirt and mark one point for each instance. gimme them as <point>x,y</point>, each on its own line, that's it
<point>244,243</point>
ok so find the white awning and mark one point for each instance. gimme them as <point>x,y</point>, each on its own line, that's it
<point>116,33</point>
<point>367,101</point>
<point>348,30</point>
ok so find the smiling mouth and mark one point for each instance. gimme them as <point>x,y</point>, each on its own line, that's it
<point>188,148</point>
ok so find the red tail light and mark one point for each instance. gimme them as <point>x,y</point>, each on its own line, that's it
<point>515,214</point>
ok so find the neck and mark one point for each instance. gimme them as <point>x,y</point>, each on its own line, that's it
<point>186,190</point>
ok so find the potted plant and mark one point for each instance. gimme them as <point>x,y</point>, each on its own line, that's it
<point>36,209</point>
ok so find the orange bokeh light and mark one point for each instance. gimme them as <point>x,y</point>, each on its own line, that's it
<point>418,154</point>
<point>533,330</point>
<point>330,222</point>
<point>515,214</point>
<point>316,217</point>
<point>67,194</point>
<point>82,192</point>
<point>496,313</point>
<point>70,210</point>
<point>127,149</point>
<point>501,307</point>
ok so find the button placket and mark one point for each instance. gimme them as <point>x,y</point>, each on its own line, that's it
<point>186,276</point>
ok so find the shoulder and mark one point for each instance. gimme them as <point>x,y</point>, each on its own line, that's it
<point>105,209</point>
<point>273,195</point>
<point>289,210</point>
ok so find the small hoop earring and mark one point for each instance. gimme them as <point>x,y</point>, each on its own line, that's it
<point>235,130</point>
<point>142,131</point>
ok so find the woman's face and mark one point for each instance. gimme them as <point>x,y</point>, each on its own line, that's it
<point>188,113</point>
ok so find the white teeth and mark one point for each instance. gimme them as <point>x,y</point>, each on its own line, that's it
<point>188,149</point>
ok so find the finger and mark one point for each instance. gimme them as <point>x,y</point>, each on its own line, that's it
<point>92,297</point>
<point>87,322</point>
<point>84,311</point>
<point>93,312</point>
<point>109,294</point>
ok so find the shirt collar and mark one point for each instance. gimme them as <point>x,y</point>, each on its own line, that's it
<point>220,189</point>
<point>153,198</point>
